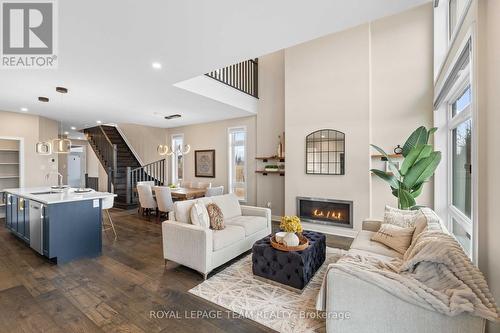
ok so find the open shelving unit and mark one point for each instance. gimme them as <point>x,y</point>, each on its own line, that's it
<point>10,167</point>
<point>278,160</point>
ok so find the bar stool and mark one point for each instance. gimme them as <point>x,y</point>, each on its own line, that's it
<point>107,204</point>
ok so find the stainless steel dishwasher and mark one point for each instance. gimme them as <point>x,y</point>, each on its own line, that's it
<point>36,226</point>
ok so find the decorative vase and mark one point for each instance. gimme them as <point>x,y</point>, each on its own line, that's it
<point>291,239</point>
<point>279,236</point>
<point>398,150</point>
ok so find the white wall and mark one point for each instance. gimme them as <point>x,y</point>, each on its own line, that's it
<point>270,124</point>
<point>402,93</point>
<point>373,82</point>
<point>33,129</point>
<point>144,140</point>
<point>489,140</point>
<point>215,136</point>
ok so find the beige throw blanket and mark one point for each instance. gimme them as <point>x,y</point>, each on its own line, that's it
<point>435,274</point>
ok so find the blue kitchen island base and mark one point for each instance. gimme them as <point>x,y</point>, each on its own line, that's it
<point>61,227</point>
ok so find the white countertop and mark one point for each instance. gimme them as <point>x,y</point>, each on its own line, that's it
<point>66,195</point>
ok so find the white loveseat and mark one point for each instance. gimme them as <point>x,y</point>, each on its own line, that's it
<point>374,310</point>
<point>204,249</point>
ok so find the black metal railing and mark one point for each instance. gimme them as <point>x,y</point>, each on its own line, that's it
<point>154,172</point>
<point>243,76</point>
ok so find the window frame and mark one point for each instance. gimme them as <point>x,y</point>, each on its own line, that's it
<point>175,175</point>
<point>466,79</point>
<point>230,131</point>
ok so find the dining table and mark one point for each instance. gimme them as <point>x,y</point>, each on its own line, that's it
<point>186,193</point>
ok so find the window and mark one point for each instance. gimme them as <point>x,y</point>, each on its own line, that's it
<point>177,158</point>
<point>460,131</point>
<point>238,162</point>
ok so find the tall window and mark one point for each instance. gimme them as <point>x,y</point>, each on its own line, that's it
<point>460,158</point>
<point>177,158</point>
<point>238,162</point>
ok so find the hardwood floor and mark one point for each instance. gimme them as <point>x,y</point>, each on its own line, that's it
<point>113,293</point>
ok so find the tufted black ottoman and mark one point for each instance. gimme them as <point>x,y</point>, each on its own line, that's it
<point>294,269</point>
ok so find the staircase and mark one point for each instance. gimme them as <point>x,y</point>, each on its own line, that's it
<point>121,165</point>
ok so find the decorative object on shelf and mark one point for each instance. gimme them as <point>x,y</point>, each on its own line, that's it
<point>166,150</point>
<point>204,163</point>
<point>291,225</point>
<point>271,168</point>
<point>419,164</point>
<point>280,151</point>
<point>325,152</point>
<point>398,150</point>
<point>44,148</point>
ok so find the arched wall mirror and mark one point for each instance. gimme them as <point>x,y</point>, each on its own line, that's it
<point>325,152</point>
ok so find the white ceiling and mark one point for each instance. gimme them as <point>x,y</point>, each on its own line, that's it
<point>106,49</point>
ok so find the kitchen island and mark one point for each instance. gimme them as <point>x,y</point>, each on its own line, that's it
<point>60,224</point>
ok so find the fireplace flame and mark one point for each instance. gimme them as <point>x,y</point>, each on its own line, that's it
<point>329,214</point>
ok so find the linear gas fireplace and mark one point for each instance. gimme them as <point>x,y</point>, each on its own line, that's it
<point>325,211</point>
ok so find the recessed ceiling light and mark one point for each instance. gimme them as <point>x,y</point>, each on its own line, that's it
<point>156,65</point>
<point>79,138</point>
<point>73,128</point>
<point>173,116</point>
<point>24,109</point>
<point>99,122</point>
<point>43,99</point>
<point>66,133</point>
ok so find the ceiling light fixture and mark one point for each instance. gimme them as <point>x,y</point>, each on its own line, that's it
<point>24,109</point>
<point>66,133</point>
<point>62,90</point>
<point>173,116</point>
<point>156,65</point>
<point>43,99</point>
<point>73,128</point>
<point>166,150</point>
<point>99,122</point>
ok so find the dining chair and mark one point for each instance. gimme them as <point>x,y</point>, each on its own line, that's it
<point>202,185</point>
<point>214,191</point>
<point>146,199</point>
<point>107,204</point>
<point>186,184</point>
<point>164,200</point>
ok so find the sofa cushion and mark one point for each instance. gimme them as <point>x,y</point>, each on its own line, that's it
<point>395,237</point>
<point>229,205</point>
<point>182,211</point>
<point>363,242</point>
<point>216,217</point>
<point>363,253</point>
<point>251,224</point>
<point>231,234</point>
<point>420,225</point>
<point>199,214</point>
<point>400,217</point>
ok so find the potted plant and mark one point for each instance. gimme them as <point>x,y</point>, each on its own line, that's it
<point>419,164</point>
<point>271,168</point>
<point>291,225</point>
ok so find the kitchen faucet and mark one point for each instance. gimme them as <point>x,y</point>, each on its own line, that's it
<point>60,177</point>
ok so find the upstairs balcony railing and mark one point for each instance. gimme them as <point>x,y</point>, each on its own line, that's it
<point>243,76</point>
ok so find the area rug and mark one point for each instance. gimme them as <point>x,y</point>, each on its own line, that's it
<point>276,307</point>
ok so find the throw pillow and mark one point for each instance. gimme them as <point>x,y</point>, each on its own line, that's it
<point>199,214</point>
<point>216,217</point>
<point>400,217</point>
<point>395,237</point>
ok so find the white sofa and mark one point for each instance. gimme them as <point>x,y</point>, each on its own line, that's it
<point>204,249</point>
<point>374,310</point>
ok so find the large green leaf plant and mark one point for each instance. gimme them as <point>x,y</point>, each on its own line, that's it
<point>419,164</point>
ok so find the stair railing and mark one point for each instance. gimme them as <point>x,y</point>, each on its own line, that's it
<point>154,172</point>
<point>243,76</point>
<point>105,150</point>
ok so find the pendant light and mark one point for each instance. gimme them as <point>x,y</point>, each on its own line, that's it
<point>166,150</point>
<point>61,145</point>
